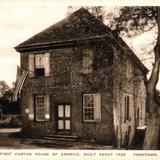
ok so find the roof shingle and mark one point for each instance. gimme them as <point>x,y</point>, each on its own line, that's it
<point>80,24</point>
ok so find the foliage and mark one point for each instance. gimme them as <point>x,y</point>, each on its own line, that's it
<point>106,15</point>
<point>135,20</point>
<point>3,88</point>
<point>6,103</point>
<point>131,22</point>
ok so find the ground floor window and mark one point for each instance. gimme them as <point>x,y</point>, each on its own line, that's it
<point>42,108</point>
<point>92,107</point>
<point>127,106</point>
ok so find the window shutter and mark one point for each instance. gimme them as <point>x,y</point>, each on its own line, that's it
<point>47,103</point>
<point>97,107</point>
<point>31,65</point>
<point>31,108</point>
<point>128,106</point>
<point>47,64</point>
<point>131,106</point>
<point>39,60</point>
<point>125,108</point>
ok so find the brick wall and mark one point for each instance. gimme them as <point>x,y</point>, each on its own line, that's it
<point>66,84</point>
<point>134,87</point>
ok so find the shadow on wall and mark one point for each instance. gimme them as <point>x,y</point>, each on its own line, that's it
<point>138,139</point>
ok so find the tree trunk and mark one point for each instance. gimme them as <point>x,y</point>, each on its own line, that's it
<point>152,133</point>
<point>153,116</point>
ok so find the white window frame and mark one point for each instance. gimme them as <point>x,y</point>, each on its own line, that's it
<point>96,108</point>
<point>36,117</point>
<point>33,64</point>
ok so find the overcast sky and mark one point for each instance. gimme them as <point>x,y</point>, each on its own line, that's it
<point>21,19</point>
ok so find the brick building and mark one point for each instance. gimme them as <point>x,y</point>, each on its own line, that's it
<point>79,78</point>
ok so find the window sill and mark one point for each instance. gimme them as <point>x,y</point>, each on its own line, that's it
<point>91,121</point>
<point>36,77</point>
<point>38,121</point>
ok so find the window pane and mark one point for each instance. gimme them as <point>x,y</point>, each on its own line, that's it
<point>67,111</point>
<point>60,124</point>
<point>40,114</point>
<point>88,103</point>
<point>60,110</point>
<point>40,108</point>
<point>39,71</point>
<point>39,101</point>
<point>67,124</point>
<point>89,114</point>
<point>39,60</point>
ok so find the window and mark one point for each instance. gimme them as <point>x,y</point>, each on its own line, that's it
<point>87,61</point>
<point>140,104</point>
<point>141,116</point>
<point>39,64</point>
<point>88,103</point>
<point>42,108</point>
<point>92,107</point>
<point>39,72</point>
<point>126,106</point>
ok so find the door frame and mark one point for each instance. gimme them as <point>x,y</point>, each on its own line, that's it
<point>58,131</point>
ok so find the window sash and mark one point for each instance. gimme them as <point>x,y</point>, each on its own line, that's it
<point>88,107</point>
<point>40,108</point>
<point>40,114</point>
<point>39,61</point>
<point>92,108</point>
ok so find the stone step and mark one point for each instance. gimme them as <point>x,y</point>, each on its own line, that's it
<point>61,137</point>
<point>58,144</point>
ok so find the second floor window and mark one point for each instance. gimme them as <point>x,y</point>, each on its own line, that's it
<point>39,64</point>
<point>87,61</point>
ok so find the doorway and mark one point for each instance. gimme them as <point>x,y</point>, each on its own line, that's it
<point>63,119</point>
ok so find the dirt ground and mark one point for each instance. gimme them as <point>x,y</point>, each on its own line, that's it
<point>8,140</point>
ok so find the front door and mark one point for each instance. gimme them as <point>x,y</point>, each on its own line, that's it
<point>63,118</point>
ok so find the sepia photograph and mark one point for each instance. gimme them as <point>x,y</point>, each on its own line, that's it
<point>79,78</point>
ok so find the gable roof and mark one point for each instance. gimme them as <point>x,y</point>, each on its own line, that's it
<point>78,27</point>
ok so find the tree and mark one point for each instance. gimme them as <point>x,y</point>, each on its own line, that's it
<point>134,20</point>
<point>130,22</point>
<point>3,88</point>
<point>97,11</point>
